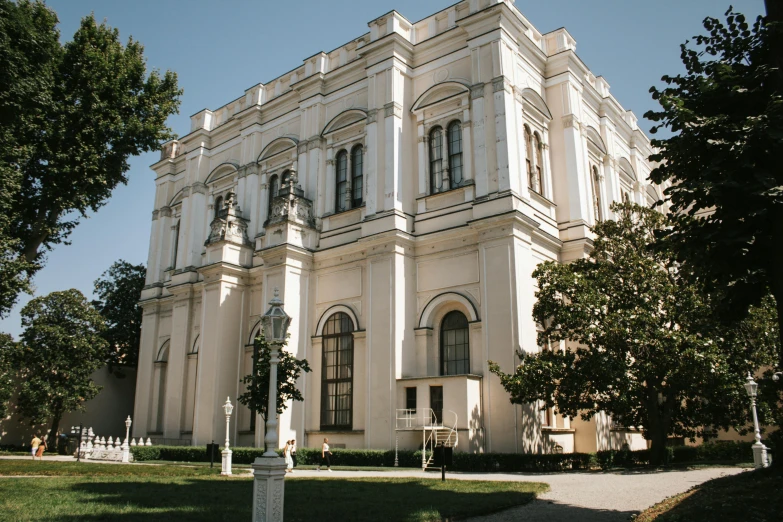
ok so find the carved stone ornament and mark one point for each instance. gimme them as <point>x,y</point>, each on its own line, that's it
<point>477,91</point>
<point>229,225</point>
<point>165,211</point>
<point>291,205</point>
<point>570,120</point>
<point>500,84</point>
<point>372,116</point>
<point>392,109</point>
<point>198,188</point>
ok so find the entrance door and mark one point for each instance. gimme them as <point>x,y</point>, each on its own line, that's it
<point>436,403</point>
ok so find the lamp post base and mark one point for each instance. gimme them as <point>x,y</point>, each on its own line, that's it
<point>760,456</point>
<point>268,489</point>
<point>226,467</point>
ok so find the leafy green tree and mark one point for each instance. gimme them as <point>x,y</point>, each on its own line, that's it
<point>256,398</point>
<point>7,373</point>
<point>118,290</point>
<point>61,347</point>
<point>70,117</point>
<point>723,160</point>
<point>641,343</point>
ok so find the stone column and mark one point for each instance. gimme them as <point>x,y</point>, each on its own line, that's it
<point>467,147</point>
<point>147,352</point>
<point>371,166</point>
<point>479,132</point>
<point>181,326</point>
<point>506,132</point>
<point>185,226</point>
<point>331,182</point>
<point>162,248</point>
<point>199,222</point>
<point>423,157</point>
<point>578,199</point>
<point>152,271</point>
<point>392,110</point>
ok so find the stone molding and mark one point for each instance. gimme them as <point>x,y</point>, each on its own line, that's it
<point>199,188</point>
<point>165,211</point>
<point>570,120</point>
<point>372,116</point>
<point>476,91</point>
<point>155,215</point>
<point>392,109</point>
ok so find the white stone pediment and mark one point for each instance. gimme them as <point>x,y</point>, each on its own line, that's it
<point>594,138</point>
<point>439,93</point>
<point>277,146</point>
<point>343,120</point>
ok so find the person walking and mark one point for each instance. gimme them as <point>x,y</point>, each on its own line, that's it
<point>289,461</point>
<point>34,444</point>
<point>293,451</point>
<point>326,456</point>
<point>41,449</point>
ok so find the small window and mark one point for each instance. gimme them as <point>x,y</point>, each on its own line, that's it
<point>596,195</point>
<point>357,176</point>
<point>218,206</point>
<point>537,172</point>
<point>341,178</point>
<point>176,246</point>
<point>410,399</point>
<point>436,160</point>
<point>454,344</point>
<point>455,154</point>
<point>274,191</point>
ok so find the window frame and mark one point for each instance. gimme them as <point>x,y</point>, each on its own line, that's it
<point>443,348</point>
<point>357,175</point>
<point>453,183</point>
<point>436,188</point>
<point>341,186</point>
<point>340,318</point>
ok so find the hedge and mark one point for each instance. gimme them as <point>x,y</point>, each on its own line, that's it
<point>506,462</point>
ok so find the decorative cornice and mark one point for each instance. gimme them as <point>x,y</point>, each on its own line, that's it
<point>155,215</point>
<point>165,211</point>
<point>185,192</point>
<point>302,148</point>
<point>501,83</point>
<point>315,143</point>
<point>477,91</point>
<point>372,116</point>
<point>392,109</point>
<point>199,188</point>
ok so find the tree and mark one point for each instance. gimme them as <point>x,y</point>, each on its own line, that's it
<point>641,343</point>
<point>118,290</point>
<point>61,347</point>
<point>70,117</point>
<point>723,161</point>
<point>257,383</point>
<point>7,357</point>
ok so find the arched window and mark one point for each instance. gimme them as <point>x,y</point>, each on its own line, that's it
<point>357,176</point>
<point>337,373</point>
<point>596,195</point>
<point>274,191</point>
<point>538,179</point>
<point>455,154</point>
<point>176,246</point>
<point>529,156</point>
<point>341,180</point>
<point>454,344</point>
<point>436,160</point>
<point>218,206</point>
<point>159,386</point>
<point>189,391</point>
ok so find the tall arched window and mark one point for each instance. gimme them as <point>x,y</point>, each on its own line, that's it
<point>454,344</point>
<point>218,206</point>
<point>357,176</point>
<point>189,395</point>
<point>455,154</point>
<point>529,156</point>
<point>596,194</point>
<point>436,160</point>
<point>341,180</point>
<point>337,373</point>
<point>159,386</point>
<point>538,180</point>
<point>274,190</point>
<point>176,246</point>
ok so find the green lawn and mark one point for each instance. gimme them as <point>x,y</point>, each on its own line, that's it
<point>91,492</point>
<point>752,495</point>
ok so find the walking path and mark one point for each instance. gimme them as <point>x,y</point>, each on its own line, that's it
<point>583,497</point>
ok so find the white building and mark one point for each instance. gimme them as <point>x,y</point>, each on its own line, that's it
<point>399,191</point>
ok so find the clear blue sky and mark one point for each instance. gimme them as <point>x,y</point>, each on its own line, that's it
<point>220,48</point>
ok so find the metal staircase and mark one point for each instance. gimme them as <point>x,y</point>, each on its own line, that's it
<point>434,430</point>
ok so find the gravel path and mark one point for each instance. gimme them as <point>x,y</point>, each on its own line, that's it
<point>582,497</point>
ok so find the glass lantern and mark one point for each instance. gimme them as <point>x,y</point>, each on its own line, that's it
<point>751,386</point>
<point>275,321</point>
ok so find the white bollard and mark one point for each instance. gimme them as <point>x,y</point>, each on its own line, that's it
<point>149,442</point>
<point>110,444</point>
<point>133,442</point>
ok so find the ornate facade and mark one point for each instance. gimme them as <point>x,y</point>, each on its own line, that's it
<point>399,191</point>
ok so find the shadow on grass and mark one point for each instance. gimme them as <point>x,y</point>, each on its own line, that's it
<point>342,500</point>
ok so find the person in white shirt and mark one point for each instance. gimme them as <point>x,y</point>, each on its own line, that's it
<point>326,456</point>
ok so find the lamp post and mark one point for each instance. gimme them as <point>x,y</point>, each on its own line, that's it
<point>226,453</point>
<point>125,446</point>
<point>759,450</point>
<point>269,469</point>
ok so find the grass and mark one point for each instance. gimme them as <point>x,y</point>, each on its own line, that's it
<point>66,491</point>
<point>753,495</point>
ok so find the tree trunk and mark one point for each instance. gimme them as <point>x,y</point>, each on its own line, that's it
<point>52,442</point>
<point>657,429</point>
